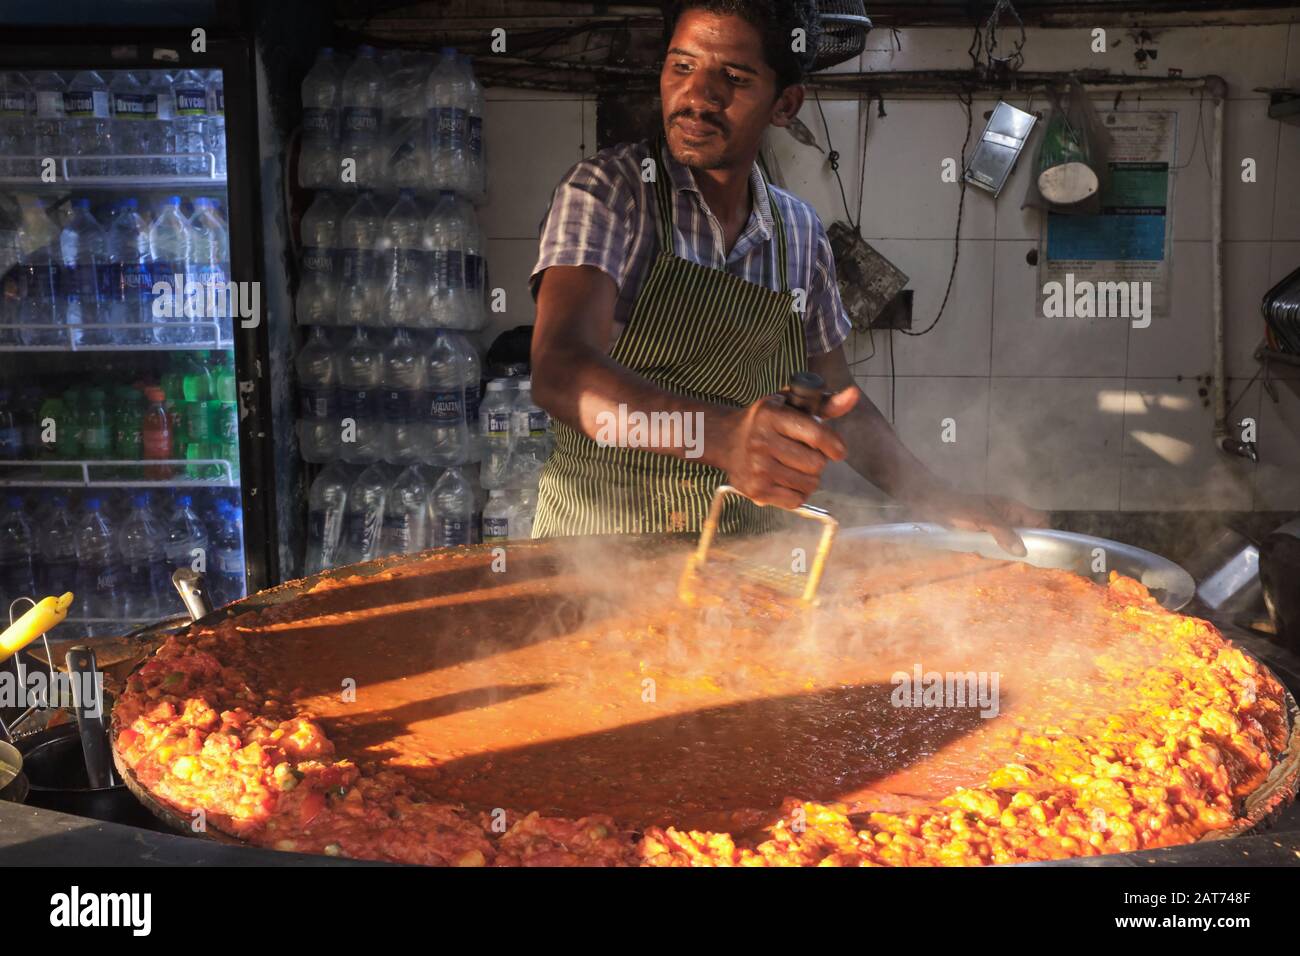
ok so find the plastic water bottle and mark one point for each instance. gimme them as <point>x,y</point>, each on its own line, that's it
<point>406,511</point>
<point>359,284</point>
<point>17,114</point>
<point>405,430</point>
<point>363,118</point>
<point>406,143</point>
<point>400,261</point>
<point>318,162</point>
<point>86,124</point>
<point>131,122</point>
<point>498,516</point>
<point>190,99</point>
<point>48,89</point>
<point>99,584</point>
<point>58,546</point>
<point>81,256</point>
<point>209,266</point>
<point>363,515</point>
<point>214,130</point>
<point>170,252</point>
<point>96,428</point>
<point>529,439</point>
<point>494,432</point>
<point>326,505</point>
<point>226,557</point>
<point>472,381</point>
<point>474,266</point>
<point>160,132</point>
<point>445,247</point>
<point>444,383</point>
<point>185,539</point>
<point>17,571</point>
<point>11,430</point>
<point>126,285</point>
<point>360,400</point>
<point>39,309</point>
<point>447,100</point>
<point>452,506</point>
<point>317,299</point>
<point>476,165</point>
<point>525,501</point>
<point>318,414</point>
<point>145,575</point>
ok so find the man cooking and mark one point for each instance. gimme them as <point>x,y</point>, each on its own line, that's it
<point>673,280</point>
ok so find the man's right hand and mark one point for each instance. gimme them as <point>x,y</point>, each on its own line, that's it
<point>775,454</point>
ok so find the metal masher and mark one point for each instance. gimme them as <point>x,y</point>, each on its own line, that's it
<point>805,392</point>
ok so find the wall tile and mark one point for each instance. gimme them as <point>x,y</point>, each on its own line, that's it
<point>1025,343</point>
<point>529,145</point>
<point>1286,216</point>
<point>1247,276</point>
<point>1277,482</point>
<point>905,197</point>
<point>1170,460</point>
<point>509,263</point>
<point>1055,443</point>
<point>959,344</point>
<point>1180,343</point>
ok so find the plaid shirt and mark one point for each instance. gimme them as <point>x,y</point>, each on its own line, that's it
<point>602,214</point>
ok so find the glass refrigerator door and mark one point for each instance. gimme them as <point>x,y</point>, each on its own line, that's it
<point>119,428</point>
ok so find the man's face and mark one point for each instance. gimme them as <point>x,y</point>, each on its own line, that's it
<point>718,92</point>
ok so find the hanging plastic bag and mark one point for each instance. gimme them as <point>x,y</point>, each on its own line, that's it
<point>1072,166</point>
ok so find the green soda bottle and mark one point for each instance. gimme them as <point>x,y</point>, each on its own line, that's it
<point>68,440</point>
<point>197,382</point>
<point>96,430</point>
<point>223,379</point>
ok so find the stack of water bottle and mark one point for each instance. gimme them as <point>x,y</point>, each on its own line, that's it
<point>401,397</point>
<point>410,263</point>
<point>86,276</point>
<point>358,513</point>
<point>116,552</point>
<point>166,124</point>
<point>393,120</point>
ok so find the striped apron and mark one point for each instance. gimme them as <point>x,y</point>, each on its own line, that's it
<point>694,331</point>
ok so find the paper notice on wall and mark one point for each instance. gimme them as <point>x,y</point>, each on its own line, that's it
<point>1116,264</point>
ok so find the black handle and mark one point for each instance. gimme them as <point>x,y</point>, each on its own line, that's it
<point>806,392</point>
<point>193,591</point>
<point>92,722</point>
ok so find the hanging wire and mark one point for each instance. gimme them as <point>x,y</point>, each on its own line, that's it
<point>966,99</point>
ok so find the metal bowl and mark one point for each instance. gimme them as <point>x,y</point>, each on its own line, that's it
<point>1091,557</point>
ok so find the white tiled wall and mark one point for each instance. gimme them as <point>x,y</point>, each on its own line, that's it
<point>1070,414</point>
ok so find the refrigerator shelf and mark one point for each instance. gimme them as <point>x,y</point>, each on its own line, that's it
<point>112,172</point>
<point>209,333</point>
<point>70,479</point>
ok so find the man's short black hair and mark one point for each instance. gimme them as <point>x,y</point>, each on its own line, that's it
<point>775,19</point>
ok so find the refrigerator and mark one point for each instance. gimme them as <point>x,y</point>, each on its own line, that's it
<point>133,340</point>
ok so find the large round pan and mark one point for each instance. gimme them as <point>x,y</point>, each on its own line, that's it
<point>1053,548</point>
<point>1091,557</point>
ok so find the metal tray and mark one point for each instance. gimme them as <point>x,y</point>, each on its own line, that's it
<point>1168,583</point>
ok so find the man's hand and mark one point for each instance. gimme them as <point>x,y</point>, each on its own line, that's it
<point>775,454</point>
<point>992,513</point>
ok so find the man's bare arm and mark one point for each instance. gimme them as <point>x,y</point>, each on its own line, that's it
<point>771,453</point>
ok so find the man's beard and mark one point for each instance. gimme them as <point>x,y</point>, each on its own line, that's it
<point>717,161</point>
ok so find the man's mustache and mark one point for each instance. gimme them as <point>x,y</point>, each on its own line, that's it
<point>709,118</point>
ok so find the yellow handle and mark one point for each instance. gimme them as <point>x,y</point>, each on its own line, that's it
<point>39,619</point>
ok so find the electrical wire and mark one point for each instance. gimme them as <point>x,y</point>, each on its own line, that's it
<point>966,100</point>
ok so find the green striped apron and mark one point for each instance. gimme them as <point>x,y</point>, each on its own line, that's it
<point>695,331</point>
